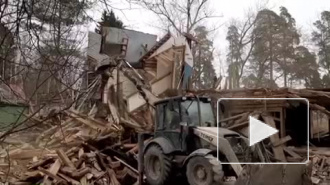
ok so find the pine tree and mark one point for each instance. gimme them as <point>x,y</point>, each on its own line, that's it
<point>289,39</point>
<point>234,56</point>
<point>203,74</point>
<point>265,52</point>
<point>276,37</point>
<point>306,68</point>
<point>109,20</point>
<point>321,38</point>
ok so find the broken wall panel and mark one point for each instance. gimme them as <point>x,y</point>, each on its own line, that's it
<point>138,43</point>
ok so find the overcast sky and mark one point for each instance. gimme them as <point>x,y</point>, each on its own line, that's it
<point>304,11</point>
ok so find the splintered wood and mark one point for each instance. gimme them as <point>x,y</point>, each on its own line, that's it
<point>63,154</point>
<point>76,129</point>
<point>321,169</point>
<point>76,166</point>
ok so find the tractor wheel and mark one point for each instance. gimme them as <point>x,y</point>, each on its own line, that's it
<point>157,166</point>
<point>204,171</point>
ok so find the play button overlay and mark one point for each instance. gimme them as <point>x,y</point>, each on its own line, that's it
<point>265,130</point>
<point>259,131</point>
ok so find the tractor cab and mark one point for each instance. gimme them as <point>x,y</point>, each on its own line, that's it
<point>174,117</point>
<point>193,110</point>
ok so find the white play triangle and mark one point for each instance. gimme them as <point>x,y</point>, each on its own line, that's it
<point>259,131</point>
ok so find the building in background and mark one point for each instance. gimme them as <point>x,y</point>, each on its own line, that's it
<point>162,65</point>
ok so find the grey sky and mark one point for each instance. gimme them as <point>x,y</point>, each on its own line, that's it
<point>304,11</point>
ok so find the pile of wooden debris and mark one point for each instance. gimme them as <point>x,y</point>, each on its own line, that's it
<point>42,159</point>
<point>321,169</point>
<point>82,148</point>
<point>79,165</point>
<point>320,159</point>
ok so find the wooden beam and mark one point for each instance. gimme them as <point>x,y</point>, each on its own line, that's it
<point>55,177</point>
<point>233,117</point>
<point>282,122</point>
<point>163,59</point>
<point>239,126</point>
<point>64,158</point>
<point>281,141</point>
<point>292,153</point>
<point>278,151</point>
<point>54,168</point>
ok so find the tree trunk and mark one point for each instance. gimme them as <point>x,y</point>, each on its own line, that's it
<point>230,82</point>
<point>285,78</point>
<point>200,67</point>
<point>271,52</point>
<point>188,16</point>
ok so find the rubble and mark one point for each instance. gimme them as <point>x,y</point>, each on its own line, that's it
<point>69,152</point>
<point>98,145</point>
<point>321,169</point>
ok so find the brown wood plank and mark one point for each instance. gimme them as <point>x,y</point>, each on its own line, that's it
<point>292,153</point>
<point>278,151</point>
<point>281,141</point>
<point>69,179</point>
<point>239,126</point>
<point>55,177</point>
<point>64,158</point>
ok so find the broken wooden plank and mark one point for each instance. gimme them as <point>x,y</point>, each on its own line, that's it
<point>28,176</point>
<point>55,177</point>
<point>80,161</point>
<point>127,165</point>
<point>54,168</point>
<point>113,164</point>
<point>87,118</point>
<point>26,153</point>
<point>304,152</point>
<point>41,163</point>
<point>72,151</point>
<point>64,158</point>
<point>281,141</point>
<point>278,151</point>
<point>83,180</point>
<point>128,145</point>
<point>121,174</point>
<point>69,179</point>
<point>114,112</point>
<point>233,117</point>
<point>113,178</point>
<point>77,174</point>
<point>292,153</point>
<point>86,122</point>
<point>239,126</point>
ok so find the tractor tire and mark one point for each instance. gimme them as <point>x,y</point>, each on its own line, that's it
<point>157,166</point>
<point>205,170</point>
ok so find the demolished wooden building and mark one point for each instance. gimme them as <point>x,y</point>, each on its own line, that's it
<point>318,102</point>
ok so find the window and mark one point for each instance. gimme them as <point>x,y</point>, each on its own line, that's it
<point>190,113</point>
<point>168,117</point>
<point>161,116</point>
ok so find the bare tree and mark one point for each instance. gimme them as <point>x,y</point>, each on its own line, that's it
<point>180,15</point>
<point>41,53</point>
<point>241,44</point>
